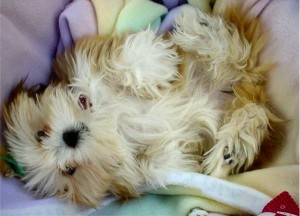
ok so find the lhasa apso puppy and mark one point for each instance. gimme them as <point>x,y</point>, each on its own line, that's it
<point>123,110</point>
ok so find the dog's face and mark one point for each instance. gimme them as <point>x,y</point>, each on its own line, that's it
<point>53,136</point>
<point>65,137</point>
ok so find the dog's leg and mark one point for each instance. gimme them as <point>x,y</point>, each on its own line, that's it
<point>247,123</point>
<point>146,64</point>
<point>225,52</point>
<point>141,63</point>
<point>238,141</point>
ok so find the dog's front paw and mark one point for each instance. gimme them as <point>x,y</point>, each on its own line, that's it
<point>146,64</point>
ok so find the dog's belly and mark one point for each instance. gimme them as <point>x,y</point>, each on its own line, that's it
<point>169,133</point>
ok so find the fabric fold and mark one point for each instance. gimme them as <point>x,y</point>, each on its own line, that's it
<point>138,15</point>
<point>76,21</point>
<point>107,13</point>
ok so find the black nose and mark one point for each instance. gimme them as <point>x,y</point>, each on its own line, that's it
<point>71,138</point>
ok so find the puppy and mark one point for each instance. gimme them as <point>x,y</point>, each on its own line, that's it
<point>123,110</point>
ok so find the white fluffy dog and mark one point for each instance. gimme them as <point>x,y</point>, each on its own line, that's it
<point>125,109</point>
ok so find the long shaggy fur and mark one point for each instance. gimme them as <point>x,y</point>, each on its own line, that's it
<point>125,109</point>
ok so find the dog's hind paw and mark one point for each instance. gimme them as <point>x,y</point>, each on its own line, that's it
<point>198,32</point>
<point>219,161</point>
<point>216,43</point>
<point>238,142</point>
<point>228,156</point>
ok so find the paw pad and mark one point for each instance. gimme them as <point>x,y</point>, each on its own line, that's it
<point>204,23</point>
<point>228,156</point>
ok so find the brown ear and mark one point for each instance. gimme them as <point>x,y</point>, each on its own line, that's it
<point>32,92</point>
<point>20,88</point>
<point>36,90</point>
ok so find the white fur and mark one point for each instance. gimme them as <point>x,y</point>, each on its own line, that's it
<point>135,65</point>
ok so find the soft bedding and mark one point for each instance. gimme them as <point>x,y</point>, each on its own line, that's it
<point>33,32</point>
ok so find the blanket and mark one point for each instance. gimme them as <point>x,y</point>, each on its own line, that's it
<point>60,23</point>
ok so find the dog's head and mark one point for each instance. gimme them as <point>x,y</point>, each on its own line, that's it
<point>66,146</point>
<point>66,136</point>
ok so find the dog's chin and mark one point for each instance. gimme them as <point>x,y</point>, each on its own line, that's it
<point>87,187</point>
